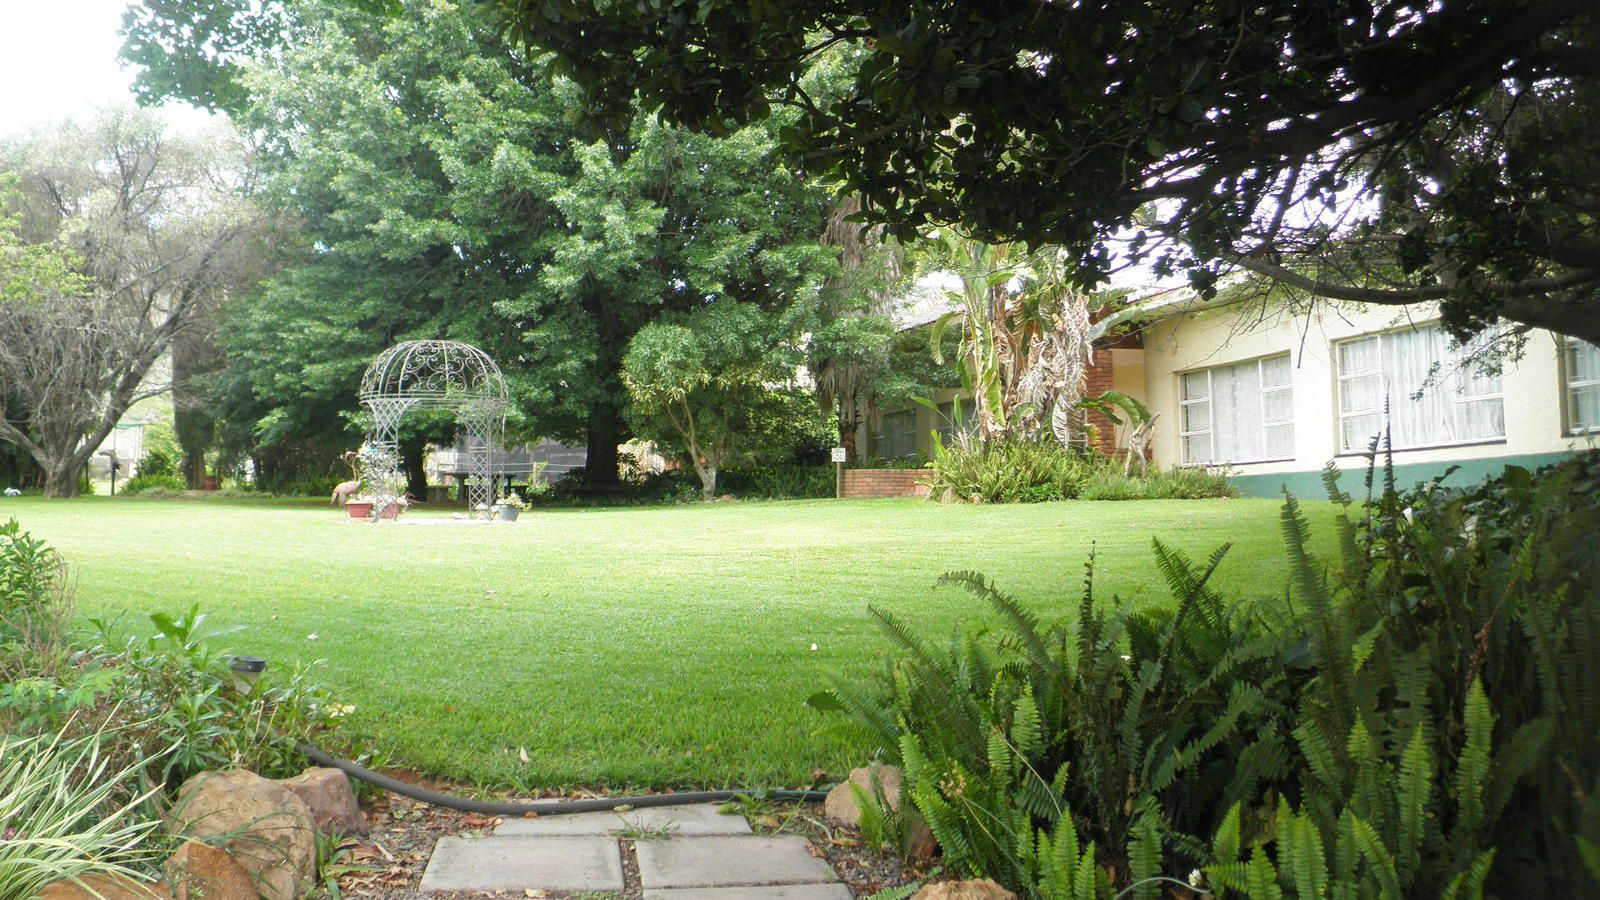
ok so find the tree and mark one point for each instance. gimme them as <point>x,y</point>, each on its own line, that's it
<point>850,348</point>
<point>119,237</point>
<point>705,381</point>
<point>445,186</point>
<point>1370,150</point>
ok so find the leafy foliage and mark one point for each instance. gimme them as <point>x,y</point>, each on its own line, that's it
<point>67,811</point>
<point>145,481</point>
<point>1415,720</point>
<point>1030,471</point>
<point>1444,152</point>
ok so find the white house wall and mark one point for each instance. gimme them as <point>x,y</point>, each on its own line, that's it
<point>1533,389</point>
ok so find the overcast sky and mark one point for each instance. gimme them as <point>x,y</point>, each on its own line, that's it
<point>58,59</point>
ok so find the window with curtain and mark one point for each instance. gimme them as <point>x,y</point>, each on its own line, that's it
<point>1583,386</point>
<point>1238,413</point>
<point>899,436</point>
<point>1434,394</point>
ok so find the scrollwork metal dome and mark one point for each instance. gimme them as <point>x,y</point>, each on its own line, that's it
<point>432,374</point>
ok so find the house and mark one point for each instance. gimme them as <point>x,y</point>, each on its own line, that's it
<point>1274,394</point>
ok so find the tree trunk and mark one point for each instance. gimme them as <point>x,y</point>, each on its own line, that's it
<point>62,480</point>
<point>848,426</point>
<point>411,454</point>
<point>194,468</point>
<point>708,480</point>
<point>604,434</point>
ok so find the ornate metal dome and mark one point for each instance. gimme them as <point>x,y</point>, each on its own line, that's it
<point>437,375</point>
<point>430,373</point>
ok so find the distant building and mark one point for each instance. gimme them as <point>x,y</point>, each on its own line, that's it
<point>1275,396</point>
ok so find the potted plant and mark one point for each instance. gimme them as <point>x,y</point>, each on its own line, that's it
<point>359,507</point>
<point>509,507</point>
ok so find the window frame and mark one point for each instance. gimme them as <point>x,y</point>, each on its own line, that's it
<point>1456,400</point>
<point>1211,412</point>
<point>1569,386</point>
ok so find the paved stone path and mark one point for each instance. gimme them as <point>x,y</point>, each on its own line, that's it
<point>681,853</point>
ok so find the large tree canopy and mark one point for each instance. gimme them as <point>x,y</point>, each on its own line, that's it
<point>446,186</point>
<point>1373,150</point>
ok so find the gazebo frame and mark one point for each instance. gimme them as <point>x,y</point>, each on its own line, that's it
<point>421,375</point>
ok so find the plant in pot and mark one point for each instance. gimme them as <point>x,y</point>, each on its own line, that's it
<point>509,507</point>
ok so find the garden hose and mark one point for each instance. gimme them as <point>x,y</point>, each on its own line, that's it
<point>543,807</point>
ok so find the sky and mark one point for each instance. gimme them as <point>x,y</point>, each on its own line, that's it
<point>58,59</point>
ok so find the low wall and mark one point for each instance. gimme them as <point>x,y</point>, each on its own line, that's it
<point>861,483</point>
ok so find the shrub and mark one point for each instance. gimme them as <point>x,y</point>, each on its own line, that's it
<point>35,603</point>
<point>1420,718</point>
<point>1008,471</point>
<point>152,485</point>
<point>1109,483</point>
<point>158,462</point>
<point>65,812</point>
<point>780,482</point>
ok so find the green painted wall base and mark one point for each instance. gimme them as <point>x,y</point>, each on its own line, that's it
<point>1308,485</point>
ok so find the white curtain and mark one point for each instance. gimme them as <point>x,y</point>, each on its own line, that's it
<point>1239,413</point>
<point>1434,394</point>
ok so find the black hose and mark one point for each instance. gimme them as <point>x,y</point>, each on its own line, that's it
<point>543,807</point>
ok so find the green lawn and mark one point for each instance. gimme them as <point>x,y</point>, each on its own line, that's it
<point>639,647</point>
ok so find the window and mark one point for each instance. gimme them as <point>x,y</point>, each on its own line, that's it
<point>1237,414</point>
<point>1434,394</point>
<point>947,424</point>
<point>1583,386</point>
<point>899,437</point>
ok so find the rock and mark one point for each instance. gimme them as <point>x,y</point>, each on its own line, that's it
<point>920,843</point>
<point>964,890</point>
<point>260,823</point>
<point>201,872</point>
<point>104,887</point>
<point>841,802</point>
<point>332,800</point>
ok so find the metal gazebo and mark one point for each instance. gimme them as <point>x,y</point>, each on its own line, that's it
<point>417,375</point>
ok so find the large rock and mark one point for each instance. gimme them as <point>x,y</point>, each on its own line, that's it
<point>332,800</point>
<point>201,872</point>
<point>841,802</point>
<point>964,890</point>
<point>104,887</point>
<point>260,823</point>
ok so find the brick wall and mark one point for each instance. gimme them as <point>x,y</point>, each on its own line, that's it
<point>1099,381</point>
<point>860,483</point>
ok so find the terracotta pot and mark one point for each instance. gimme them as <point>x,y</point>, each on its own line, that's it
<point>361,509</point>
<point>392,511</point>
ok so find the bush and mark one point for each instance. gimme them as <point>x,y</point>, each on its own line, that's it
<point>1109,483</point>
<point>35,604</point>
<point>156,463</point>
<point>1419,719</point>
<point>781,482</point>
<point>66,812</point>
<point>1012,471</point>
<point>152,485</point>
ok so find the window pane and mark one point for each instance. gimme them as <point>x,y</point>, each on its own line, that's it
<point>1357,432</point>
<point>1197,448</point>
<point>1278,407</point>
<point>1361,394</point>
<point>1195,386</point>
<point>1481,419</point>
<point>1236,418</point>
<point>1276,372</point>
<point>1583,361</point>
<point>1358,356</point>
<point>1280,441</point>
<point>1420,413</point>
<point>1586,406</point>
<point>1197,416</point>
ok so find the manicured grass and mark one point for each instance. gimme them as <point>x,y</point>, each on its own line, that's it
<point>636,647</point>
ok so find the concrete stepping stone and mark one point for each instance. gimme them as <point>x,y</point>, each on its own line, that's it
<point>770,892</point>
<point>707,862</point>
<point>513,864</point>
<point>676,821</point>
